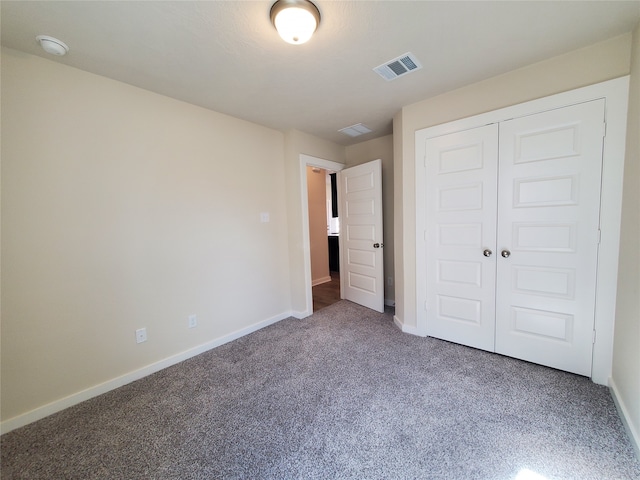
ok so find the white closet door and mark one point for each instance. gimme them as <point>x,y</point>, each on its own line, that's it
<point>461,186</point>
<point>548,218</point>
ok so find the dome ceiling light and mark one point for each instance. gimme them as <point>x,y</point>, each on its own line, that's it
<point>52,45</point>
<point>295,20</point>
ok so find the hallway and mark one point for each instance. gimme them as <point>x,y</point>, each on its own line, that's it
<point>327,293</point>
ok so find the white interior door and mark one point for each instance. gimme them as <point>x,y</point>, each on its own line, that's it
<point>461,183</point>
<point>548,225</point>
<point>361,245</point>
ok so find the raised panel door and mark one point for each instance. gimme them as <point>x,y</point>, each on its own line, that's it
<point>361,237</point>
<point>548,219</point>
<point>461,172</point>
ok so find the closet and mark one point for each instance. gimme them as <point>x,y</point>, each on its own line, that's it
<point>508,217</point>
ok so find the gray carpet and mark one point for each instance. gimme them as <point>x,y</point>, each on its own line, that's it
<point>342,394</point>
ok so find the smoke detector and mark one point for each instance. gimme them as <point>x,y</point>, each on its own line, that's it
<point>399,66</point>
<point>52,45</point>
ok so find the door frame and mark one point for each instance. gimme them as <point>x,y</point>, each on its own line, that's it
<point>615,92</point>
<point>309,161</point>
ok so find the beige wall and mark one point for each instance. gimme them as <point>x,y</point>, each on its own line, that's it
<point>586,66</point>
<point>124,209</point>
<point>297,143</point>
<point>363,152</point>
<point>318,240</point>
<point>626,349</point>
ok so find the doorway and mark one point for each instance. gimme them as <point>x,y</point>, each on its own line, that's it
<point>361,256</point>
<point>324,231</point>
<point>329,290</point>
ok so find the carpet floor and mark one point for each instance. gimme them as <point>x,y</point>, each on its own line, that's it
<point>342,394</point>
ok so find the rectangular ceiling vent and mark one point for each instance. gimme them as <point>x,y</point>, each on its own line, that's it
<point>397,67</point>
<point>355,130</point>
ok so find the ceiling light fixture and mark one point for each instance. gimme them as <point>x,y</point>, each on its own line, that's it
<point>295,20</point>
<point>52,45</point>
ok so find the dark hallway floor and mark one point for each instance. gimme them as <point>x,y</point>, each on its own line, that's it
<point>327,293</point>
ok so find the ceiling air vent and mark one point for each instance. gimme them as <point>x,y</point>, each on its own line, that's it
<point>397,67</point>
<point>355,130</point>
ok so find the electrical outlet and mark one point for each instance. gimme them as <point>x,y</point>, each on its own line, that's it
<point>193,321</point>
<point>141,335</point>
<point>264,217</point>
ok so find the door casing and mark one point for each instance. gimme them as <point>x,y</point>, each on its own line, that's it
<point>308,160</point>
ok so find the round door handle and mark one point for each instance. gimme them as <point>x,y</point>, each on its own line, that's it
<point>487,253</point>
<point>505,253</point>
<point>377,245</point>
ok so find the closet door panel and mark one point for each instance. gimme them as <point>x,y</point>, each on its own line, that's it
<point>548,218</point>
<point>461,171</point>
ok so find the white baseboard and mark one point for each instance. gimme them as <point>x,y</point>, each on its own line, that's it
<point>407,328</point>
<point>320,281</point>
<point>632,431</point>
<point>300,314</point>
<point>74,399</point>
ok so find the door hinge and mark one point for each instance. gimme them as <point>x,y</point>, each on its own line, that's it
<point>599,236</point>
<point>593,340</point>
<point>426,306</point>
<point>604,129</point>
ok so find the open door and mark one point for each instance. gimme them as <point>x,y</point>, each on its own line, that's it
<point>361,247</point>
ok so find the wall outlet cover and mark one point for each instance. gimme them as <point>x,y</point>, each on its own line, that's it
<point>141,335</point>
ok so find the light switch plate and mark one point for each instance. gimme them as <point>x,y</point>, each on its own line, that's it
<point>141,335</point>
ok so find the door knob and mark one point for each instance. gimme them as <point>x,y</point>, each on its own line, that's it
<point>378,245</point>
<point>487,253</point>
<point>505,253</point>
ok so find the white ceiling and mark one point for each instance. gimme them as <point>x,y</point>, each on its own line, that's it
<point>226,56</point>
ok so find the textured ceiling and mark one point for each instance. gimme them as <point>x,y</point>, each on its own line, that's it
<point>226,56</point>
